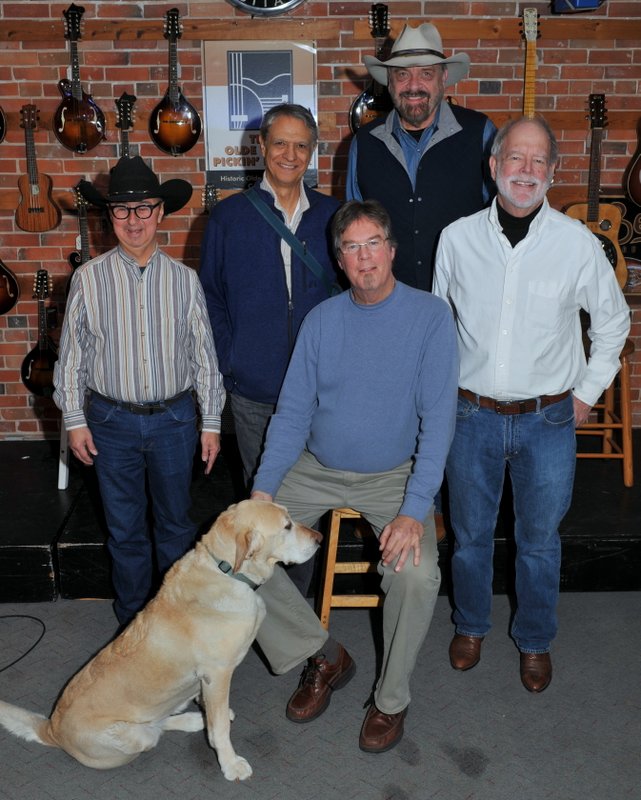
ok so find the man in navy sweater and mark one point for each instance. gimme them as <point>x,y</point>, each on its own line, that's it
<point>364,419</point>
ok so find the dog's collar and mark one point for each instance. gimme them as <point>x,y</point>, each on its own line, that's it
<point>226,567</point>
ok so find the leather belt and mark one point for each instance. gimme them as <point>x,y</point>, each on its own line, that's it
<point>142,408</point>
<point>513,406</point>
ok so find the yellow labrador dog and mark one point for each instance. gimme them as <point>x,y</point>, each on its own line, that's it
<point>183,645</point>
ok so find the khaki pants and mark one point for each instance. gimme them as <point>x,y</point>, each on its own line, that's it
<point>291,632</point>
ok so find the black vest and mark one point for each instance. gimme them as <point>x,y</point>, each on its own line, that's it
<point>449,185</point>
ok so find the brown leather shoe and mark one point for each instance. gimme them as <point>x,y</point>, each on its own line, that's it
<point>536,671</point>
<point>318,681</point>
<point>465,651</point>
<point>381,732</point>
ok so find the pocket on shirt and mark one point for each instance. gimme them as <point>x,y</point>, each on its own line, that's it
<point>545,304</point>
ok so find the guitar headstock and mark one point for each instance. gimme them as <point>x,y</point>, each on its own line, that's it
<point>73,16</point>
<point>42,285</point>
<point>210,197</point>
<point>125,104</point>
<point>530,24</point>
<point>81,201</point>
<point>598,111</point>
<point>173,26</point>
<point>29,114</point>
<point>378,20</point>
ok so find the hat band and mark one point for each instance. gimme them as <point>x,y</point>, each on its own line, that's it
<point>422,52</point>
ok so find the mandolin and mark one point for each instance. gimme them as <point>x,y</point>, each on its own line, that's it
<point>79,257</point>
<point>632,177</point>
<point>530,34</point>
<point>174,124</point>
<point>78,123</point>
<point>37,367</point>
<point>9,289</point>
<point>603,219</point>
<point>125,105</point>
<point>374,101</point>
<point>36,210</point>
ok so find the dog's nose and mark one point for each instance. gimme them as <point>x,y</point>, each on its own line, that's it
<point>318,537</point>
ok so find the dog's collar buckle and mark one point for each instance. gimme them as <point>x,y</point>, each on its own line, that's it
<point>226,567</point>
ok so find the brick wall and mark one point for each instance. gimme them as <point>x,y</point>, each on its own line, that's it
<point>122,49</point>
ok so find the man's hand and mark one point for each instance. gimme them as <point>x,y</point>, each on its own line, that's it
<point>261,496</point>
<point>81,445</point>
<point>581,411</point>
<point>210,447</point>
<point>402,535</point>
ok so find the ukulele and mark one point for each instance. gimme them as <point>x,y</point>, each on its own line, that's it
<point>37,210</point>
<point>632,177</point>
<point>374,101</point>
<point>531,34</point>
<point>78,123</point>
<point>174,124</point>
<point>37,367</point>
<point>603,219</point>
<point>77,258</point>
<point>9,289</point>
<point>125,104</point>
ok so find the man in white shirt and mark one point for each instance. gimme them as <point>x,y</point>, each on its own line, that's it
<point>516,276</point>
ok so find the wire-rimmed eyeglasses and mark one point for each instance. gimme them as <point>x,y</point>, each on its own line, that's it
<point>351,248</point>
<point>143,211</point>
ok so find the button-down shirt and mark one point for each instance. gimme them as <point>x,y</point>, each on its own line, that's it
<point>517,309</point>
<point>136,336</point>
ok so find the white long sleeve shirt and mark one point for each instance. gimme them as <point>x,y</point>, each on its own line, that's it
<point>517,309</point>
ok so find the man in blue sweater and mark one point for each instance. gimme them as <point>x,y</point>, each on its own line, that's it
<point>364,419</point>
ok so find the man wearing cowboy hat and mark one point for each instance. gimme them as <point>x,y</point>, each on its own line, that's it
<point>426,161</point>
<point>136,342</point>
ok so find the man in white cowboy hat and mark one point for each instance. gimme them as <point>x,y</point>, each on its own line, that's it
<point>136,345</point>
<point>426,161</point>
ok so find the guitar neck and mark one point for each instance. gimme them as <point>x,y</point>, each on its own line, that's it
<point>530,79</point>
<point>32,166</point>
<point>83,224</point>
<point>76,88</point>
<point>594,178</point>
<point>124,144</point>
<point>174,91</point>
<point>42,324</point>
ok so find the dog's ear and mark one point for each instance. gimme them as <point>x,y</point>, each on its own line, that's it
<point>247,544</point>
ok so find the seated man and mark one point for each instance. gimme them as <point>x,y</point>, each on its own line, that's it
<point>364,419</point>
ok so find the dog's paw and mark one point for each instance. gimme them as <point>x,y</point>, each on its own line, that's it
<point>238,769</point>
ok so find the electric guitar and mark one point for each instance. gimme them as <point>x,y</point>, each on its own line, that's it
<point>125,104</point>
<point>78,123</point>
<point>531,34</point>
<point>174,124</point>
<point>79,257</point>
<point>37,367</point>
<point>374,101</point>
<point>36,210</point>
<point>603,219</point>
<point>9,289</point>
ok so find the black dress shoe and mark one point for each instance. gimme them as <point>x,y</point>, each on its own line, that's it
<point>318,681</point>
<point>536,671</point>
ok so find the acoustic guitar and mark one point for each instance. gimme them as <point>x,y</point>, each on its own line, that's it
<point>174,124</point>
<point>37,367</point>
<point>81,255</point>
<point>632,176</point>
<point>603,219</point>
<point>125,105</point>
<point>78,123</point>
<point>9,289</point>
<point>530,34</point>
<point>374,101</point>
<point>36,210</point>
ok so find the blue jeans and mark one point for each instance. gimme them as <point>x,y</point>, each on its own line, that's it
<point>136,453</point>
<point>539,450</point>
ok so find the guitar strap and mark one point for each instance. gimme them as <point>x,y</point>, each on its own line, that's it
<point>293,241</point>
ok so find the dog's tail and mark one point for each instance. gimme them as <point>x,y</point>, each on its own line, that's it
<point>26,725</point>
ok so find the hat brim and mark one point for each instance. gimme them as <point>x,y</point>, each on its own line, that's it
<point>458,66</point>
<point>174,193</point>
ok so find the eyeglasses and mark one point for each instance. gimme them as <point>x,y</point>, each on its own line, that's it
<point>351,248</point>
<point>143,211</point>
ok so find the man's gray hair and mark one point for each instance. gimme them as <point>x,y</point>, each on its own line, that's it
<point>499,139</point>
<point>354,210</point>
<point>290,110</point>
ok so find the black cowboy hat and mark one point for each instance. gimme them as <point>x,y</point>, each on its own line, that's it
<point>130,180</point>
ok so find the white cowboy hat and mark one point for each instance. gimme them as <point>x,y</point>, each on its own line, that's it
<point>419,47</point>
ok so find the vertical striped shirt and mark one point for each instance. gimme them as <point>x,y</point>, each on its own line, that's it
<point>137,336</point>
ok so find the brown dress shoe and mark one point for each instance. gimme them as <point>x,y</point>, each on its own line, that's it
<point>318,681</point>
<point>536,671</point>
<point>465,651</point>
<point>381,732</point>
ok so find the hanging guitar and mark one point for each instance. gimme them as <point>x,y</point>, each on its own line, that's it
<point>125,105</point>
<point>174,124</point>
<point>374,101</point>
<point>603,219</point>
<point>36,210</point>
<point>3,124</point>
<point>78,123</point>
<point>531,34</point>
<point>37,367</point>
<point>9,289</point>
<point>632,177</point>
<point>79,257</point>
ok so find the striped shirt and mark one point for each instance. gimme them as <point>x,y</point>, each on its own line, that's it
<point>137,336</point>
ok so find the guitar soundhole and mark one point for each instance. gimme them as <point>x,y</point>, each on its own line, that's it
<point>609,249</point>
<point>605,224</point>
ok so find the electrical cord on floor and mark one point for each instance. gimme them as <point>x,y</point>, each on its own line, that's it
<point>35,644</point>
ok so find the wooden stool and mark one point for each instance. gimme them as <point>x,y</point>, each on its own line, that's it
<point>609,419</point>
<point>327,599</point>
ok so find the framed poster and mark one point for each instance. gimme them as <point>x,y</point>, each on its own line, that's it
<point>243,80</point>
